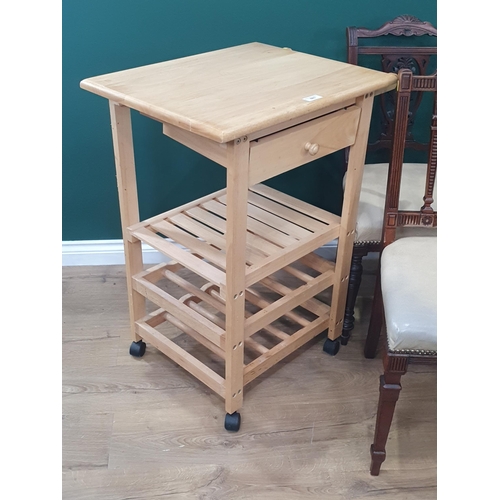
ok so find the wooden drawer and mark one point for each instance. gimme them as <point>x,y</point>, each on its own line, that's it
<point>277,153</point>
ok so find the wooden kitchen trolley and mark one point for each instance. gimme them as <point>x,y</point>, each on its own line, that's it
<point>258,111</point>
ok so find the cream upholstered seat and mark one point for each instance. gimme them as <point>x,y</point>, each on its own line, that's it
<point>408,281</point>
<point>370,218</point>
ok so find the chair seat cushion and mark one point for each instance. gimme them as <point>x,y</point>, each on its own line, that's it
<point>408,272</point>
<point>372,199</point>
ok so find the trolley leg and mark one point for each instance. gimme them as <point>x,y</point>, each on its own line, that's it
<point>348,225</point>
<point>121,127</point>
<point>237,195</point>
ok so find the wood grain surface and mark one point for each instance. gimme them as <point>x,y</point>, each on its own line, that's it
<point>228,93</point>
<point>146,429</point>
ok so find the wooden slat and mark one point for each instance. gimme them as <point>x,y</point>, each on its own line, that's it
<point>297,218</point>
<point>269,233</point>
<point>194,244</point>
<point>288,255</point>
<point>254,242</point>
<point>273,331</point>
<point>277,353</point>
<point>287,303</point>
<point>189,287</point>
<point>317,263</point>
<point>295,204</point>
<point>182,358</point>
<point>152,274</point>
<point>255,346</point>
<point>192,302</point>
<point>198,266</point>
<point>155,318</point>
<point>195,335</point>
<point>207,233</point>
<point>314,305</point>
<point>298,274</point>
<point>160,316</point>
<point>255,297</point>
<point>208,218</point>
<point>211,236</point>
<point>155,273</point>
<point>272,220</point>
<point>181,311</point>
<point>178,210</point>
<point>212,290</point>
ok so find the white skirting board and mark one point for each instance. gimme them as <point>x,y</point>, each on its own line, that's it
<point>103,253</point>
<point>110,252</point>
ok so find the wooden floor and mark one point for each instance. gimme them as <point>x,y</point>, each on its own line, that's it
<point>146,429</point>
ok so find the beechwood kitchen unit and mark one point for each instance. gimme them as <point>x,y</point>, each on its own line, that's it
<point>258,111</point>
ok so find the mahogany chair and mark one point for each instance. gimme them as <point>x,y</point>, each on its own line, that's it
<point>403,42</point>
<point>405,294</point>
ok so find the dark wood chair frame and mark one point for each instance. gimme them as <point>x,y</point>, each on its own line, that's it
<point>396,362</point>
<point>393,58</point>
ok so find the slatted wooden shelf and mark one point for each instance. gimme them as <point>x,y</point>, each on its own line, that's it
<point>280,230</point>
<point>282,313</point>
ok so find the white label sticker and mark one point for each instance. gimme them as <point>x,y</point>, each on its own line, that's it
<point>312,97</point>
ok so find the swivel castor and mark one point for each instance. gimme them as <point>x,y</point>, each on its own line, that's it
<point>331,346</point>
<point>137,349</point>
<point>232,421</point>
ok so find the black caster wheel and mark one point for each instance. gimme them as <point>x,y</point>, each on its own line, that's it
<point>137,349</point>
<point>232,421</point>
<point>331,347</point>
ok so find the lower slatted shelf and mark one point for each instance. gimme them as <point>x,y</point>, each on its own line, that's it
<point>283,311</point>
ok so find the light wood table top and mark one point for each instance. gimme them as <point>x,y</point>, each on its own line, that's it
<point>229,93</point>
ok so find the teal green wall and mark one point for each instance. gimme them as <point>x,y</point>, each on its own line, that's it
<point>102,36</point>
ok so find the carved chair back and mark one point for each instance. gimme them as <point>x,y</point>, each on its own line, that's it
<point>395,217</point>
<point>409,52</point>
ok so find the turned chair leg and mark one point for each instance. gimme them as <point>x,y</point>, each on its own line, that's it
<point>355,276</point>
<point>390,387</point>
<point>376,321</point>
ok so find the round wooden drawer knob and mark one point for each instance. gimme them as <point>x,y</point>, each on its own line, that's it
<point>312,149</point>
